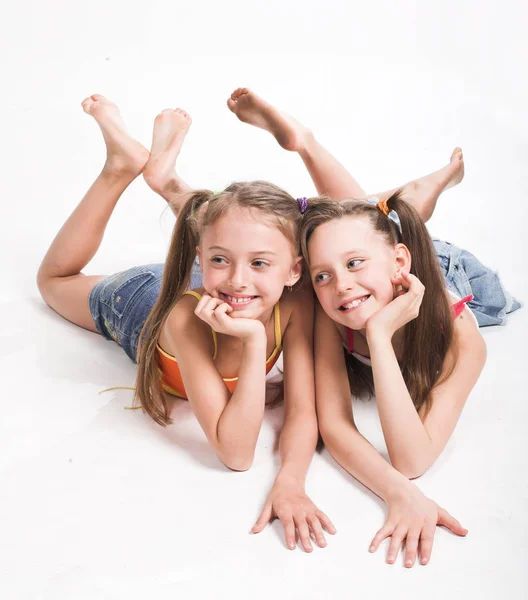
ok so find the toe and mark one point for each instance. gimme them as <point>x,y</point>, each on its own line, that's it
<point>87,104</point>
<point>97,97</point>
<point>231,104</point>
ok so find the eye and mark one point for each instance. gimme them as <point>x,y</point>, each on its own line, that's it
<point>218,260</point>
<point>354,263</point>
<point>260,264</point>
<point>321,277</point>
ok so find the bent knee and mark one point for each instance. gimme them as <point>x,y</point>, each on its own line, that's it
<point>70,296</point>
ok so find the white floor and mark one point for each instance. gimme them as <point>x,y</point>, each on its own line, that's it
<point>97,502</point>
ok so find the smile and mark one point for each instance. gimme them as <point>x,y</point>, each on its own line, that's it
<point>353,304</point>
<point>238,301</point>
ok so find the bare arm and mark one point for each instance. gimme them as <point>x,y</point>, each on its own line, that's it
<point>411,515</point>
<point>299,433</point>
<point>415,441</point>
<point>287,499</point>
<point>336,422</point>
<point>231,422</point>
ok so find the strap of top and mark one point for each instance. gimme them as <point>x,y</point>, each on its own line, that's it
<point>278,334</point>
<point>276,318</point>
<point>192,293</point>
<point>459,306</point>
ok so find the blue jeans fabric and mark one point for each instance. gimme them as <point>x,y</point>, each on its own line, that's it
<point>121,303</point>
<point>464,275</point>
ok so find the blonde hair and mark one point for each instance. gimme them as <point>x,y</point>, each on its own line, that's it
<point>202,210</point>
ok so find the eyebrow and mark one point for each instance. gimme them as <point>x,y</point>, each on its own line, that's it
<point>259,252</point>
<point>343,254</point>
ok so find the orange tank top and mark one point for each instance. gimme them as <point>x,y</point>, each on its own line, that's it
<point>169,372</point>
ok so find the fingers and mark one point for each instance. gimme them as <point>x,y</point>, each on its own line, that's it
<point>208,309</point>
<point>263,520</point>
<point>305,525</point>
<point>325,522</point>
<point>304,535</point>
<point>317,530</point>
<point>413,283</point>
<point>426,542</point>
<point>396,541</point>
<point>381,535</point>
<point>289,532</point>
<point>206,304</point>
<point>445,519</point>
<point>411,546</point>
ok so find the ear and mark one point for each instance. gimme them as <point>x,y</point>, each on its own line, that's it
<point>199,255</point>
<point>295,271</point>
<point>402,258</point>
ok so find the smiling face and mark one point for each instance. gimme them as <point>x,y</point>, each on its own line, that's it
<point>351,266</point>
<point>246,261</point>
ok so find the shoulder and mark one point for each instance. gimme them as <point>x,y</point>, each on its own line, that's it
<point>182,326</point>
<point>466,330</point>
<point>297,309</point>
<point>299,301</point>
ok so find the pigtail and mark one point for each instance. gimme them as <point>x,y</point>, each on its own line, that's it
<point>428,337</point>
<point>176,278</point>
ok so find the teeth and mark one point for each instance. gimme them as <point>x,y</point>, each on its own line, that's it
<point>353,304</point>
<point>234,300</point>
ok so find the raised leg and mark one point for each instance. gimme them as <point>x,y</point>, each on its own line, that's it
<point>170,128</point>
<point>424,192</point>
<point>60,281</point>
<point>328,174</point>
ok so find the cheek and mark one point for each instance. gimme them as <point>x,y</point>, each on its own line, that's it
<point>211,277</point>
<point>384,290</point>
<point>325,298</point>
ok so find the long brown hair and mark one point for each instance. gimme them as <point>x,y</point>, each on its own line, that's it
<point>201,210</point>
<point>426,338</point>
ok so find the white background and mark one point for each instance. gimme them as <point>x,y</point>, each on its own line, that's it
<point>98,502</point>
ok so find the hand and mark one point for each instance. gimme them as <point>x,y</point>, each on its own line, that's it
<point>288,502</point>
<point>404,308</point>
<point>413,517</point>
<point>215,312</point>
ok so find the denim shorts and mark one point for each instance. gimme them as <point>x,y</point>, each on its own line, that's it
<point>121,303</point>
<point>465,275</point>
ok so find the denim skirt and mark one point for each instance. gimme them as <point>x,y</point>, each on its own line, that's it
<point>121,303</point>
<point>465,275</point>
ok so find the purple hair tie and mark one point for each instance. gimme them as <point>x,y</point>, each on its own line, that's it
<point>303,204</point>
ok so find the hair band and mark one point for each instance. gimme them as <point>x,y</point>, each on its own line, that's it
<point>303,204</point>
<point>382,206</point>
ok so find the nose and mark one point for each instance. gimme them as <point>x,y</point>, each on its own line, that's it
<point>344,282</point>
<point>237,278</point>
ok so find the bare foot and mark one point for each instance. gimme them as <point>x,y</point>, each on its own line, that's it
<point>170,128</point>
<point>124,154</point>
<point>252,109</point>
<point>454,171</point>
<point>423,193</point>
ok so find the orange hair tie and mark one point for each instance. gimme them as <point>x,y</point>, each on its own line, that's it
<point>382,205</point>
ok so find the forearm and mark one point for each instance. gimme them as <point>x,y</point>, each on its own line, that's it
<point>240,422</point>
<point>297,445</point>
<point>357,456</point>
<point>409,445</point>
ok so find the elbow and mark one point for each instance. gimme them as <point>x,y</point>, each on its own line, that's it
<point>411,469</point>
<point>236,462</point>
